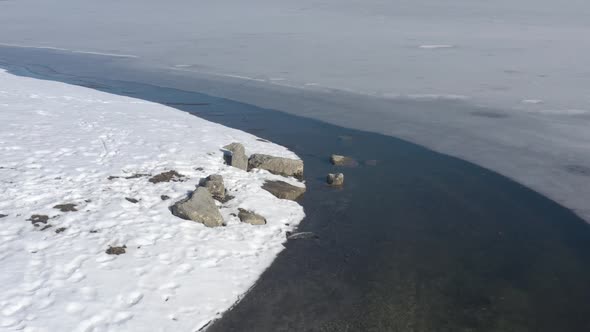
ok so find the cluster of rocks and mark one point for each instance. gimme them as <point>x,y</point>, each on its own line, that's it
<point>200,205</point>
<point>337,179</point>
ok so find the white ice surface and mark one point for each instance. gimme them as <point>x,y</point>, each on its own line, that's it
<point>498,52</point>
<point>58,144</point>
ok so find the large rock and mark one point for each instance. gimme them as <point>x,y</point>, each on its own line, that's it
<point>283,190</point>
<point>238,157</point>
<point>335,179</point>
<point>277,165</point>
<point>214,183</point>
<point>251,217</point>
<point>339,160</point>
<point>199,207</point>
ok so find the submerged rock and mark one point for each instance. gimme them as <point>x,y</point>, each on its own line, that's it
<point>214,183</point>
<point>277,165</point>
<point>339,160</point>
<point>283,190</point>
<point>301,236</point>
<point>335,179</point>
<point>238,158</point>
<point>199,207</point>
<point>251,217</point>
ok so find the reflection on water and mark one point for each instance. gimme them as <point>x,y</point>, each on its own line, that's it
<point>414,241</point>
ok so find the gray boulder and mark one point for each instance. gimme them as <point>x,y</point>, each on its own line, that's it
<point>277,165</point>
<point>199,207</point>
<point>238,157</point>
<point>251,217</point>
<point>339,160</point>
<point>283,190</point>
<point>214,183</point>
<point>335,179</point>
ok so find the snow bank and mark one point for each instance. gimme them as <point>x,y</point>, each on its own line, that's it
<point>59,144</point>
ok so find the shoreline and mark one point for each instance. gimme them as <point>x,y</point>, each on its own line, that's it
<point>88,232</point>
<point>419,240</point>
<point>545,152</point>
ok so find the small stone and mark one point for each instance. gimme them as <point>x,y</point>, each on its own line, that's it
<point>59,230</point>
<point>66,207</point>
<point>214,183</point>
<point>339,160</point>
<point>251,217</point>
<point>94,231</point>
<point>199,207</point>
<point>170,176</point>
<point>164,197</point>
<point>335,179</point>
<point>277,165</point>
<point>116,250</point>
<point>132,200</point>
<point>283,190</point>
<point>3,215</point>
<point>238,158</point>
<point>38,218</point>
<point>46,227</point>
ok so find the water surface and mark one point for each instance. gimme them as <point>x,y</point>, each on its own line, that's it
<point>417,241</point>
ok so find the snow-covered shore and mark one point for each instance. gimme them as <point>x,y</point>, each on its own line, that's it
<point>59,145</point>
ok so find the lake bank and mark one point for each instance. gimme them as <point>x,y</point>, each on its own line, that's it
<point>419,241</point>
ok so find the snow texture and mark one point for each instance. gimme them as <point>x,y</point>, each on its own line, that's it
<point>59,145</point>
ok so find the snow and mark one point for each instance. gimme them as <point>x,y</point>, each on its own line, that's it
<point>59,144</point>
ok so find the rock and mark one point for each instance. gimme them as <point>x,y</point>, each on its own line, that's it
<point>372,162</point>
<point>339,160</point>
<point>59,230</point>
<point>132,200</point>
<point>214,183</point>
<point>283,190</point>
<point>251,217</point>
<point>66,207</point>
<point>37,219</point>
<point>3,215</point>
<point>199,207</point>
<point>238,157</point>
<point>335,179</point>
<point>164,197</point>
<point>277,165</point>
<point>169,176</point>
<point>301,236</point>
<point>116,250</point>
<point>46,227</point>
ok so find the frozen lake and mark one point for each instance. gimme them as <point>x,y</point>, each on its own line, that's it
<point>415,240</point>
<point>520,64</point>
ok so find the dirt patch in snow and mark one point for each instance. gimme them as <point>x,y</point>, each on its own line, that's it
<point>170,176</point>
<point>116,250</point>
<point>66,207</point>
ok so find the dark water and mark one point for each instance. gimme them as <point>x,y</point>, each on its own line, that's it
<point>419,242</point>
